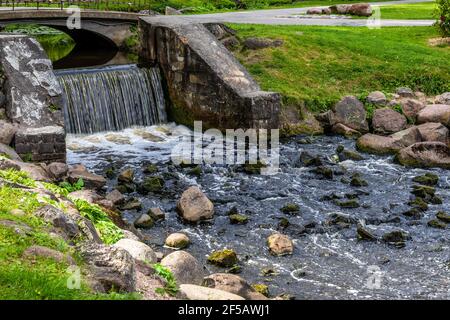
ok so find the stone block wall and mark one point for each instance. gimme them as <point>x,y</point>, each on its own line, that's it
<point>204,80</point>
<point>31,117</point>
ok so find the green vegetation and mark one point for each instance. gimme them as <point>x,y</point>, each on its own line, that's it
<point>170,287</point>
<point>56,44</point>
<point>443,13</point>
<point>22,277</point>
<point>108,231</point>
<point>18,177</point>
<point>407,11</point>
<point>316,66</point>
<point>79,185</point>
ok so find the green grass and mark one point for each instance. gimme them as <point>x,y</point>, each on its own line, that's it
<point>316,66</point>
<point>37,278</point>
<point>420,11</point>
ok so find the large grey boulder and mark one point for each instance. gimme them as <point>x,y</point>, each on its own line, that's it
<point>377,98</point>
<point>185,268</point>
<point>386,121</point>
<point>7,132</point>
<point>410,107</point>
<point>138,250</point>
<point>194,206</point>
<point>110,266</point>
<point>426,155</point>
<point>373,143</point>
<point>351,112</point>
<point>59,220</point>
<point>434,131</point>
<point>33,91</point>
<point>435,113</point>
<point>8,152</point>
<point>443,98</point>
<point>360,9</point>
<point>233,284</point>
<point>58,170</point>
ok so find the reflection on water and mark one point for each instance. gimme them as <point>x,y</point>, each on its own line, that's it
<point>328,261</point>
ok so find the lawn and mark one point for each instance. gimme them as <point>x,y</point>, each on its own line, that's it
<point>423,10</point>
<point>316,66</point>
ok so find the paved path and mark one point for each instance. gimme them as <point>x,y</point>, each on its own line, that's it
<point>288,17</point>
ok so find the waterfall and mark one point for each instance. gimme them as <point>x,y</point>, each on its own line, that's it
<point>111,98</point>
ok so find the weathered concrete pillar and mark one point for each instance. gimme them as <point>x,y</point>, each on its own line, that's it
<point>204,80</point>
<point>33,99</point>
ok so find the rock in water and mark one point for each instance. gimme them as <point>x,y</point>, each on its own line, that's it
<point>177,240</point>
<point>193,292</point>
<point>185,268</point>
<point>126,176</point>
<point>373,143</point>
<point>144,221</point>
<point>90,180</point>
<point>280,244</point>
<point>194,206</point>
<point>425,155</point>
<point>138,250</point>
<point>223,258</point>
<point>233,284</point>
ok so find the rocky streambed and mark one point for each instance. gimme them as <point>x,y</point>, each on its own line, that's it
<point>359,227</point>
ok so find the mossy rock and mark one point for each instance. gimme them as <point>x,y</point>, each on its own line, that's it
<point>438,224</point>
<point>350,204</point>
<point>153,184</point>
<point>325,172</point>
<point>261,288</point>
<point>441,215</point>
<point>234,269</point>
<point>110,173</point>
<point>223,258</point>
<point>290,208</point>
<point>196,171</point>
<point>419,203</point>
<point>238,218</point>
<point>358,182</point>
<point>424,192</point>
<point>429,179</point>
<point>254,168</point>
<point>284,223</point>
<point>413,213</point>
<point>150,169</point>
<point>126,188</point>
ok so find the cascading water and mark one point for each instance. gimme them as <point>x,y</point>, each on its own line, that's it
<point>111,98</point>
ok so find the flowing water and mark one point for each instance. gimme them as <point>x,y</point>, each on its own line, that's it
<point>111,98</point>
<point>329,262</point>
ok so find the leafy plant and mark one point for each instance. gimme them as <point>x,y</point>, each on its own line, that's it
<point>108,231</point>
<point>79,185</point>
<point>19,177</point>
<point>171,286</point>
<point>443,17</point>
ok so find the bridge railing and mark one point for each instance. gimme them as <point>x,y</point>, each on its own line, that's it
<point>106,5</point>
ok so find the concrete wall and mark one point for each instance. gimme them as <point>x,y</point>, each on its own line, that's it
<point>204,80</point>
<point>33,101</point>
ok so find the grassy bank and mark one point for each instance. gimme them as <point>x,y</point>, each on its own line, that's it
<point>423,10</point>
<point>318,65</point>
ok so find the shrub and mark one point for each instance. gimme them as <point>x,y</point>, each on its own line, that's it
<point>443,17</point>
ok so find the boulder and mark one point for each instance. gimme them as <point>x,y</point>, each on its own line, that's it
<point>112,267</point>
<point>386,121</point>
<point>233,284</point>
<point>156,214</point>
<point>35,171</point>
<point>58,170</point>
<point>138,250</point>
<point>443,98</point>
<point>88,195</point>
<point>391,144</point>
<point>184,267</point>
<point>377,98</point>
<point>435,113</point>
<point>360,9</point>
<point>223,258</point>
<point>177,240</point>
<point>433,131</point>
<point>91,180</point>
<point>7,132</point>
<point>126,176</point>
<point>280,244</point>
<point>144,221</point>
<point>116,197</point>
<point>193,292</point>
<point>345,131</point>
<point>351,113</point>
<point>194,206</point>
<point>404,92</point>
<point>261,43</point>
<point>410,107</point>
<point>44,252</point>
<point>426,155</point>
<point>326,11</point>
<point>314,11</point>
<point>59,220</point>
<point>8,152</point>
<point>339,9</point>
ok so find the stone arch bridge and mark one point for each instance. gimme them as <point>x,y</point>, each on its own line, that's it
<point>99,28</point>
